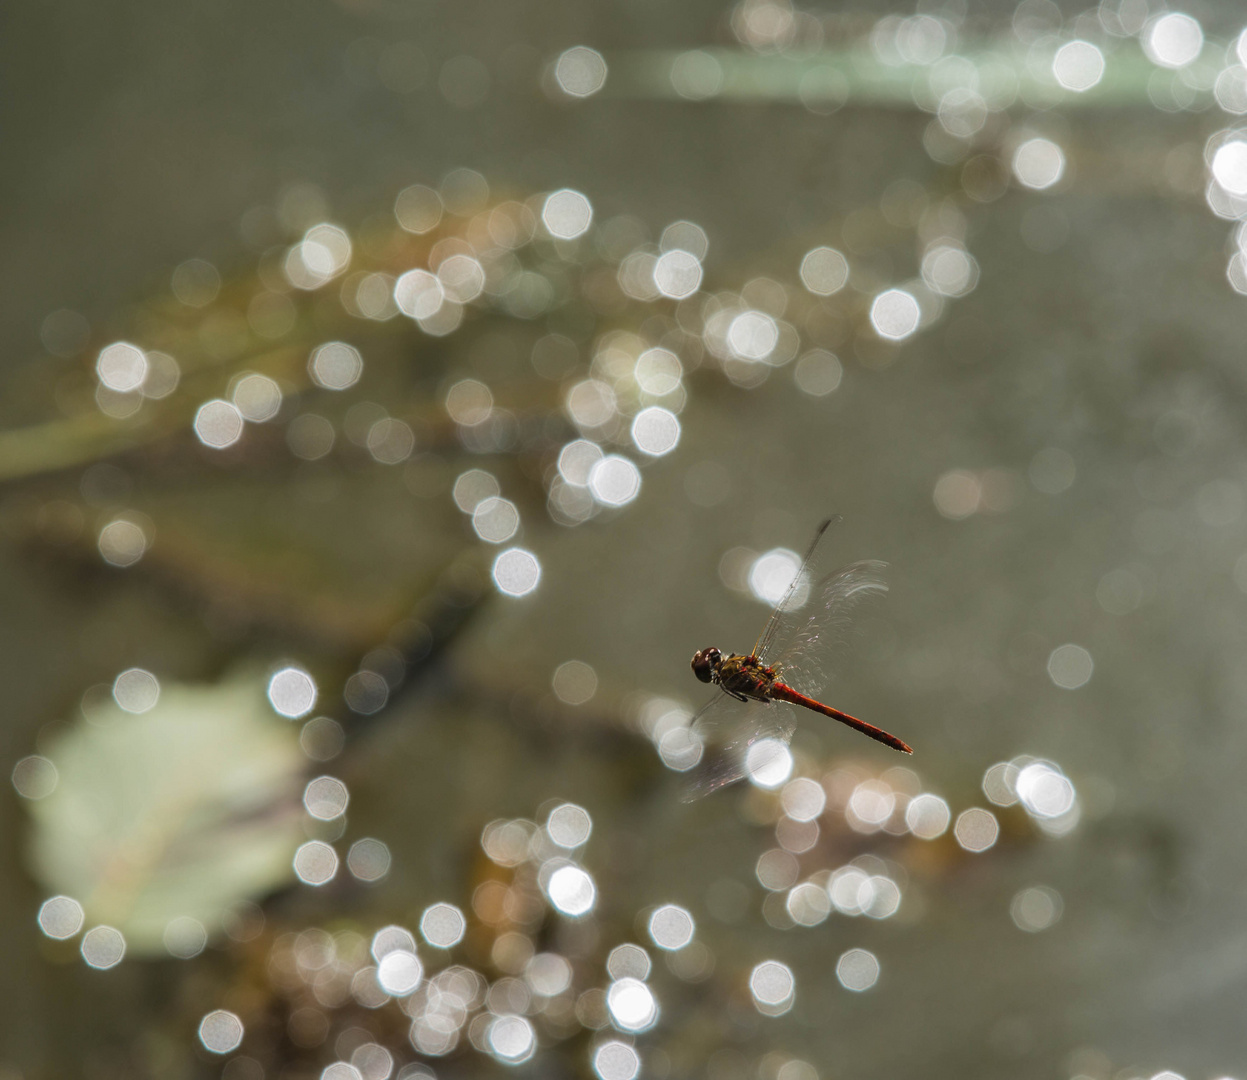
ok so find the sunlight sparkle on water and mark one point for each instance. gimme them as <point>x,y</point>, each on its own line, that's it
<point>418,208</point>
<point>655,431</point>
<point>773,988</point>
<point>496,520</point>
<point>616,1061</point>
<point>442,925</point>
<point>335,365</point>
<point>752,335</point>
<point>1173,40</point>
<point>895,314</point>
<point>35,777</point>
<point>1070,666</point>
<point>61,917</point>
<point>220,1031</point>
<point>512,1039</point>
<point>571,891</point>
<point>368,859</point>
<point>631,1004</point>
<point>1078,66</point>
<point>326,798</point>
<point>103,947</point>
<point>927,816</point>
<point>257,397</point>
<point>671,927</point>
<point>1229,167</point>
<point>391,939</point>
<point>614,481</point>
<point>218,424</point>
<point>121,366</point>
<point>315,863</point>
<point>566,214</point>
<point>658,371</point>
<point>292,692</point>
<point>628,961</point>
<point>1036,908</point>
<point>185,937</point>
<point>1038,163</point>
<point>136,690</point>
<point>976,829</point>
<point>548,974</point>
<point>1044,790</point>
<point>857,970</point>
<point>516,572</point>
<point>399,972</point>
<point>803,799</point>
<point>418,294</point>
<point>580,71</point>
<point>574,683</point>
<point>768,763</point>
<point>771,573</point>
<point>677,274</point>
<point>569,825</point>
<point>122,542</point>
<point>824,271</point>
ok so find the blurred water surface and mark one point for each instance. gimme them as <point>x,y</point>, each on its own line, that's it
<point>1026,398</point>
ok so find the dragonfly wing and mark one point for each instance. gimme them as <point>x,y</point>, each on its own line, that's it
<point>799,587</point>
<point>727,728</point>
<point>807,639</point>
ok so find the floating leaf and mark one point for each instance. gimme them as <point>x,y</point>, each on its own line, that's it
<point>182,811</point>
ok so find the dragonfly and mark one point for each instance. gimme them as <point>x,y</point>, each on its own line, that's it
<point>809,620</point>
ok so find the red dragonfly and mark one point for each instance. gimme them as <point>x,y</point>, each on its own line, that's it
<point>812,615</point>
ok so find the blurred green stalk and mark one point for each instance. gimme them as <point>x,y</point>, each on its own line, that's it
<point>855,75</point>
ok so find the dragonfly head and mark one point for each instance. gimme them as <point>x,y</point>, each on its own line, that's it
<point>706,663</point>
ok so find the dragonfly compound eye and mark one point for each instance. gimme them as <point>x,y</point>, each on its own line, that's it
<point>704,663</point>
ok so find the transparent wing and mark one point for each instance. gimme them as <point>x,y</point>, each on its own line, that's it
<point>811,625</point>
<point>801,582</point>
<point>727,728</point>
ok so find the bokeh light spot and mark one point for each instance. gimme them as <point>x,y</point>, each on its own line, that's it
<point>1036,908</point>
<point>315,863</point>
<point>580,71</point>
<point>631,1004</point>
<point>1070,666</point>
<point>671,927</point>
<point>136,690</point>
<point>218,424</point>
<point>61,917</point>
<point>857,970</point>
<point>292,692</point>
<point>1078,66</point>
<point>894,314</point>
<point>773,987</point>
<point>574,682</point>
<point>616,1061</point>
<point>1038,163</point>
<point>220,1031</point>
<point>824,271</point>
<point>768,763</point>
<point>571,891</point>
<point>103,947</point>
<point>516,572</point>
<point>121,366</point>
<point>614,481</point>
<point>335,365</point>
<point>976,829</point>
<point>566,214</point>
<point>326,798</point>
<point>122,542</point>
<point>443,925</point>
<point>655,431</point>
<point>368,859</point>
<point>34,777</point>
